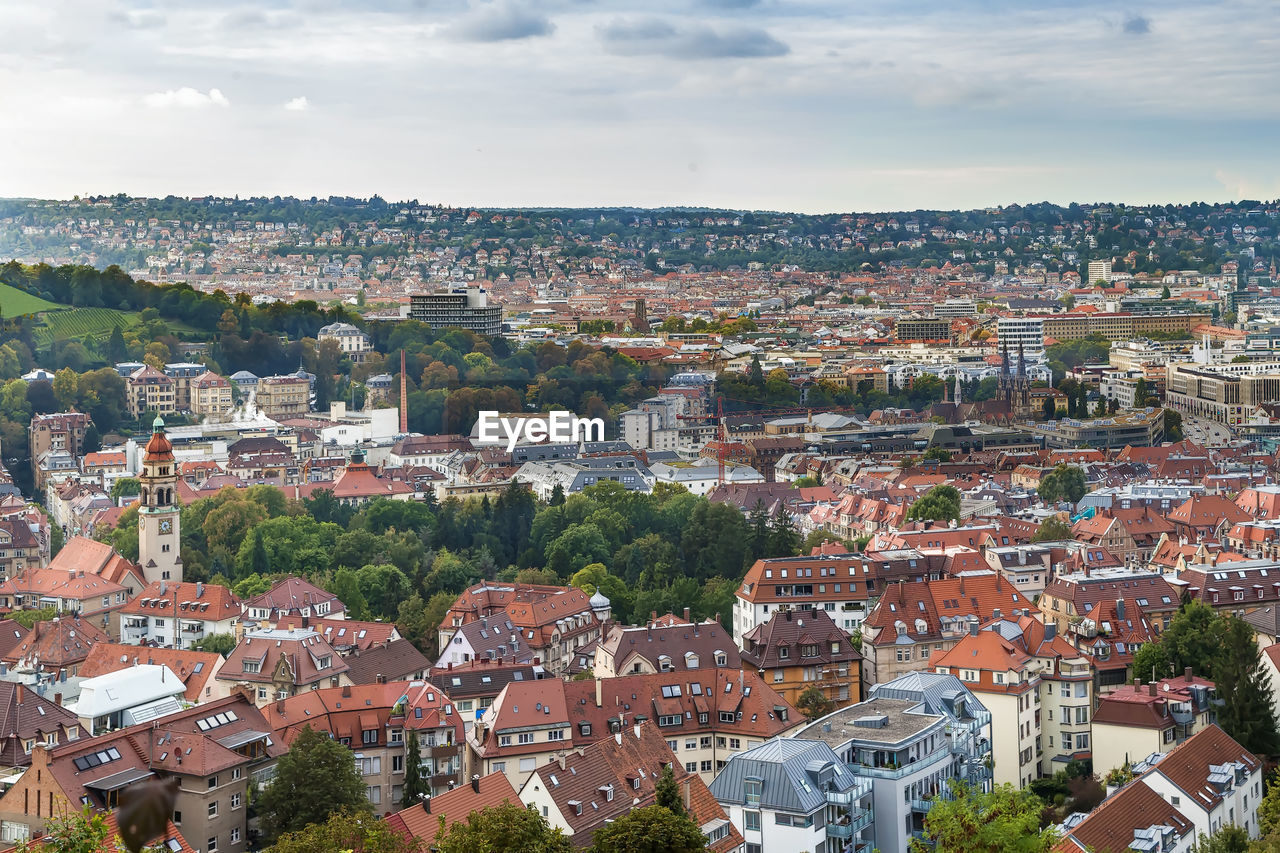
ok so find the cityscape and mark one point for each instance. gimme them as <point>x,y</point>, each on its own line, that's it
<point>489,426</point>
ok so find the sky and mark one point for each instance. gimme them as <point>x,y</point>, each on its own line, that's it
<point>797,105</point>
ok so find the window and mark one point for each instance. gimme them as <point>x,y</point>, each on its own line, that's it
<point>555,734</point>
<point>235,801</point>
<point>252,666</point>
<point>235,834</point>
<point>525,737</point>
<point>670,719</point>
<point>751,792</point>
<point>1082,715</point>
<point>784,652</point>
<point>751,821</point>
<point>213,809</point>
<point>213,782</point>
<point>368,736</point>
<point>374,794</point>
<point>735,743</point>
<point>728,716</point>
<point>504,740</point>
<point>177,817</point>
<point>212,846</point>
<point>235,773</point>
<point>1082,741</point>
<point>691,766</point>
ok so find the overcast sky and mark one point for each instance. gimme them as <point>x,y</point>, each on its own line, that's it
<point>807,105</point>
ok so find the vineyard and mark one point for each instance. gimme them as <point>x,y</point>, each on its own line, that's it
<point>78,323</point>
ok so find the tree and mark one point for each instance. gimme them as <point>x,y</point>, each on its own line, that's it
<point>784,539</point>
<point>223,644</point>
<point>1269,807</point>
<point>1229,839</point>
<point>1052,529</point>
<point>413,783</point>
<point>507,828</point>
<point>758,522</point>
<point>1164,292</point>
<point>1063,483</point>
<point>316,778</point>
<point>1172,425</point>
<point>668,793</point>
<point>1244,686</point>
<point>941,503</point>
<point>813,703</point>
<point>1050,409</point>
<point>76,832</point>
<point>1151,662</point>
<point>346,585</point>
<point>1006,820</point>
<point>1194,639</point>
<point>652,829</point>
<point>941,454</point>
<point>1140,393</point>
<point>346,831</point>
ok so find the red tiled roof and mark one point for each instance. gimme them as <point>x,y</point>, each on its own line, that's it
<point>454,806</point>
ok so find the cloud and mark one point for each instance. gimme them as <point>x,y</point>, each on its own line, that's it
<point>137,19</point>
<point>298,104</point>
<point>186,98</point>
<point>503,22</point>
<point>656,37</point>
<point>1136,25</point>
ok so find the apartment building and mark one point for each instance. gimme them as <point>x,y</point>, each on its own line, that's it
<point>705,717</point>
<point>281,397</point>
<point>1132,535</point>
<point>1139,720</point>
<point>195,670</point>
<point>352,342</point>
<point>422,821</point>
<point>150,390</point>
<point>293,597</point>
<point>473,687</point>
<point>56,433</point>
<point>1133,818</point>
<point>211,395</point>
<point>914,623</point>
<point>1022,334</point>
<point>39,721</point>
<point>798,650</point>
<point>587,789</point>
<point>183,375</point>
<point>275,664</point>
<point>793,794</point>
<point>1036,685</point>
<point>457,307</point>
<point>176,614</point>
<point>1212,780</point>
<point>86,595</point>
<point>665,645</point>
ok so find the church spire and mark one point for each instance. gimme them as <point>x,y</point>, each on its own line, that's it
<point>957,387</point>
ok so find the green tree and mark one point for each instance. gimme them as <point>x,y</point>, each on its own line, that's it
<point>784,539</point>
<point>1244,686</point>
<point>652,829</point>
<point>1050,409</point>
<point>758,522</point>
<point>316,778</point>
<point>28,618</point>
<point>1052,529</point>
<point>414,786</point>
<point>941,454</point>
<point>1140,393</point>
<point>508,828</point>
<point>813,703</point>
<point>1063,483</point>
<point>1229,839</point>
<point>1269,807</point>
<point>346,831</point>
<point>84,831</point>
<point>1151,662</point>
<point>223,644</point>
<point>1172,425</point>
<point>346,585</point>
<point>941,503</point>
<point>667,793</point>
<point>1194,638</point>
<point>1164,292</point>
<point>1005,820</point>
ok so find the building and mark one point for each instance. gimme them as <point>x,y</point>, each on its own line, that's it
<point>1212,780</point>
<point>177,615</point>
<point>183,375</point>
<point>1140,428</point>
<point>574,475</point>
<point>422,821</point>
<point>1228,393</point>
<point>667,645</point>
<point>211,395</point>
<point>1099,271</point>
<point>56,646</point>
<point>922,329</point>
<point>1034,683</point>
<point>26,719</point>
<point>59,432</point>
<point>293,597</point>
<point>457,307</point>
<point>798,650</point>
<point>1133,818</point>
<point>159,548</point>
<point>592,787</point>
<point>150,390</point>
<point>196,670</point>
<point>904,750</point>
<point>282,397</point>
<point>352,342</point>
<point>793,794</point>
<point>1025,334</point>
<point>122,698</point>
<point>1136,721</point>
<point>275,664</point>
<point>86,595</point>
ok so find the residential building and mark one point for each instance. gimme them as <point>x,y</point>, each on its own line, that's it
<point>914,623</point>
<point>104,467</point>
<point>422,821</point>
<point>1212,780</point>
<point>175,614</point>
<point>57,432</point>
<point>1025,334</point>
<point>280,397</point>
<point>293,597</point>
<point>138,694</point>
<point>1133,818</point>
<point>88,596</point>
<point>1132,535</point>
<point>195,670</point>
<point>352,342</point>
<point>26,719</point>
<point>184,374</point>
<point>590,788</point>
<point>277,664</point>
<point>793,794</point>
<point>56,646</point>
<point>574,475</point>
<point>81,554</point>
<point>150,390</point>
<point>1136,721</point>
<point>474,686</point>
<point>798,650</point>
<point>213,750</point>
<point>1099,270</point>
<point>664,645</point>
<point>457,307</point>
<point>211,396</point>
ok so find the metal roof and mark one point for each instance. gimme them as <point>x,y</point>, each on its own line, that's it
<point>786,770</point>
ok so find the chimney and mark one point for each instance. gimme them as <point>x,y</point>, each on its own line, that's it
<point>346,691</point>
<point>306,621</point>
<point>686,614</point>
<point>1151,689</point>
<point>426,803</point>
<point>379,679</point>
<point>57,698</point>
<point>1186,675</point>
<point>199,589</point>
<point>995,614</point>
<point>475,782</point>
<point>684,789</point>
<point>1050,631</point>
<point>1119,608</point>
<point>599,692</point>
<point>973,629</point>
<point>279,706</point>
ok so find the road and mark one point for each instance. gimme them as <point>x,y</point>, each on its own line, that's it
<point>1206,433</point>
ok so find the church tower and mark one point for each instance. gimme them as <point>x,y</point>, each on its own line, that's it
<point>158,548</point>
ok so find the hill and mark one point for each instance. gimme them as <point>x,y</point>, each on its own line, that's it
<point>15,302</point>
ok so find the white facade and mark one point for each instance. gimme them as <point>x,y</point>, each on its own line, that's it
<point>1099,271</point>
<point>1240,788</point>
<point>1025,331</point>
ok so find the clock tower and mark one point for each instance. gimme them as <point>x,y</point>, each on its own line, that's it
<point>158,541</point>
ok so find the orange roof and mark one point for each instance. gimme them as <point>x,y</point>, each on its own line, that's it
<point>453,806</point>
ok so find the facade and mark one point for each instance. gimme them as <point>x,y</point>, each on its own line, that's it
<point>276,664</point>
<point>159,542</point>
<point>798,650</point>
<point>280,397</point>
<point>1025,333</point>
<point>457,307</point>
<point>176,614</point>
<point>1227,393</point>
<point>352,341</point>
<point>211,395</point>
<point>183,375</point>
<point>151,390</point>
<point>1137,721</point>
<point>1212,780</point>
<point>793,794</point>
<point>669,645</point>
<point>1141,428</point>
<point>57,433</point>
<point>90,597</point>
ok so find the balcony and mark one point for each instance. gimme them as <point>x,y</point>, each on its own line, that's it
<point>922,806</point>
<point>848,827</point>
<point>905,769</point>
<point>840,798</point>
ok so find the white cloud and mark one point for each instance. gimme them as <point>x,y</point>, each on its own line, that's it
<point>298,104</point>
<point>186,98</point>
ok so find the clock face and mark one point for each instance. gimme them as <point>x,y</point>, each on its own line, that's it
<point>165,526</point>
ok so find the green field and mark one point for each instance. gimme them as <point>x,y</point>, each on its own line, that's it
<point>14,302</point>
<point>76,323</point>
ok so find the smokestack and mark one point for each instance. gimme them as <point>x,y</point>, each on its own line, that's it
<point>475,782</point>
<point>684,788</point>
<point>404,397</point>
<point>426,803</point>
<point>1151,689</point>
<point>686,614</point>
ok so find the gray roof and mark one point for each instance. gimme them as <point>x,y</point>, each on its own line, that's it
<point>794,775</point>
<point>936,691</point>
<point>880,721</point>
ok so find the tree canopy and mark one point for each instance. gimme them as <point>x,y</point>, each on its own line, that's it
<point>315,779</point>
<point>1005,820</point>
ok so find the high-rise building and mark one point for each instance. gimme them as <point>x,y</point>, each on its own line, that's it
<point>1099,271</point>
<point>457,307</point>
<point>1025,333</point>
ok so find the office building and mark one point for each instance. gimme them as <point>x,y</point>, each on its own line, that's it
<point>457,307</point>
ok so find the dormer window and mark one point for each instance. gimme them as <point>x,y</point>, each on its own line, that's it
<point>784,652</point>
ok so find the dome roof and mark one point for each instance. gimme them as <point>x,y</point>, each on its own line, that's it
<point>599,601</point>
<point>158,446</point>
